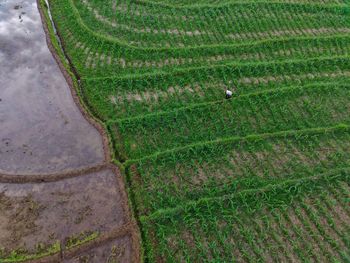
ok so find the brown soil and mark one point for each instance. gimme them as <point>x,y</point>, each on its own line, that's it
<point>118,250</point>
<point>42,213</point>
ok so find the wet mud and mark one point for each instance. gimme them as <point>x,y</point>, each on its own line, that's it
<point>118,250</point>
<point>56,182</point>
<point>32,214</point>
<point>42,130</point>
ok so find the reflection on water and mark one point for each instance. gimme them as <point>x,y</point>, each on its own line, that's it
<point>41,129</point>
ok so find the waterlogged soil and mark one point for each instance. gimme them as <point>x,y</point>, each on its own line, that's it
<point>118,250</point>
<point>42,130</point>
<point>43,133</point>
<point>31,214</point>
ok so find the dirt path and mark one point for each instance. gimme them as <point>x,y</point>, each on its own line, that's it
<point>55,179</point>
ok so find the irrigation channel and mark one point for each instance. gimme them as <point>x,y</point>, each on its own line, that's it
<point>61,200</point>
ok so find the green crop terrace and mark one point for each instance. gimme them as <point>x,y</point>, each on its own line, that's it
<point>261,177</point>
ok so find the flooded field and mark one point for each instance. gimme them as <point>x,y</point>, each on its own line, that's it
<point>80,199</point>
<point>42,213</point>
<point>115,251</point>
<point>42,130</point>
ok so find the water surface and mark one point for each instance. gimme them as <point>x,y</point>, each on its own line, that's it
<point>41,129</point>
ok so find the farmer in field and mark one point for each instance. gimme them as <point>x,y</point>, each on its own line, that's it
<point>228,94</point>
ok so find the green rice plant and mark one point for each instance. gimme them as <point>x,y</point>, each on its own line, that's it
<point>259,113</point>
<point>204,28</point>
<point>203,220</point>
<point>23,255</point>
<point>218,169</point>
<point>262,177</point>
<point>107,52</point>
<point>80,238</point>
<point>118,98</point>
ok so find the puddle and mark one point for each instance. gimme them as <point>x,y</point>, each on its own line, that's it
<point>42,130</point>
<point>42,213</point>
<point>119,250</point>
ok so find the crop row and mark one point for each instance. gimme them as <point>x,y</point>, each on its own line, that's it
<point>93,51</point>
<point>106,62</point>
<point>280,223</point>
<point>186,4</point>
<point>227,166</point>
<point>125,97</point>
<point>208,26</point>
<point>146,30</point>
<point>295,108</point>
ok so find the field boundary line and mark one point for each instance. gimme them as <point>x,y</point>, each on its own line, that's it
<point>219,66</point>
<point>116,233</point>
<point>251,137</point>
<point>69,253</point>
<point>225,54</point>
<point>51,177</point>
<point>244,95</point>
<point>243,44</point>
<point>73,79</point>
<point>71,76</point>
<point>291,184</point>
<point>229,3</point>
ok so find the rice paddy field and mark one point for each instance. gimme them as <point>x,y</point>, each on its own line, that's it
<point>261,177</point>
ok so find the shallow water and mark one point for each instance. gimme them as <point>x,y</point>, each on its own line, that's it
<point>41,128</point>
<point>115,251</point>
<point>42,213</point>
<point>42,131</point>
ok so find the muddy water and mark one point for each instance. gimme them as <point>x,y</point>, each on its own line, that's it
<point>115,251</point>
<point>41,129</point>
<point>31,214</point>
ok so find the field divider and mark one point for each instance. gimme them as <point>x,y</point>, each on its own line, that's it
<point>271,194</point>
<point>233,2</point>
<point>219,66</point>
<point>52,177</point>
<point>235,97</point>
<point>252,137</point>
<point>73,79</point>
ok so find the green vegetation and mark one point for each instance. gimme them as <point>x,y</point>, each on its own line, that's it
<point>21,255</point>
<point>80,238</point>
<point>261,177</point>
<point>44,250</point>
